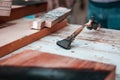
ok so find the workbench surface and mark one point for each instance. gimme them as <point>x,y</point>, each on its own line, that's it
<point>102,46</point>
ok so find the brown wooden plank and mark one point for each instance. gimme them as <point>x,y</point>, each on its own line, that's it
<point>14,45</point>
<point>20,12</point>
<point>42,59</point>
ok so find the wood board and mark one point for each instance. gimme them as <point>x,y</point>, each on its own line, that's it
<point>5,7</point>
<point>35,58</point>
<point>21,35</point>
<point>51,18</point>
<point>21,11</point>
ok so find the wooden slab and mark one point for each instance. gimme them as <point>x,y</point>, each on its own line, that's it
<point>51,18</point>
<point>21,35</point>
<point>56,15</point>
<point>19,12</point>
<point>35,58</point>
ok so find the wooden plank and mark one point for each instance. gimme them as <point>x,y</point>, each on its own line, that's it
<point>23,37</point>
<point>38,23</point>
<point>56,15</point>
<point>5,12</point>
<point>5,7</point>
<point>20,12</point>
<point>51,18</point>
<point>4,3</point>
<point>35,58</point>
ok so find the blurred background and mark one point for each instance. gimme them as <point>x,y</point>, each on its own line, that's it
<point>79,12</point>
<point>106,12</point>
<point>79,9</point>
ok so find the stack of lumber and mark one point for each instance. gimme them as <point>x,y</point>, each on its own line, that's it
<point>21,35</point>
<point>18,11</point>
<point>5,7</point>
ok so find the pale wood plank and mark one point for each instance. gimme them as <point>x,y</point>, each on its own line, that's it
<point>5,7</point>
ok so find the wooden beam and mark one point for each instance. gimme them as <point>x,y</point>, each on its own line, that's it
<point>27,39</point>
<point>51,18</point>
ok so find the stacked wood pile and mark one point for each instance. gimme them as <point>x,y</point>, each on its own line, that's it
<point>5,7</point>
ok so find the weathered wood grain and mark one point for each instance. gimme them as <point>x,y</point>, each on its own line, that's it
<point>51,18</point>
<point>35,58</point>
<point>56,15</point>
